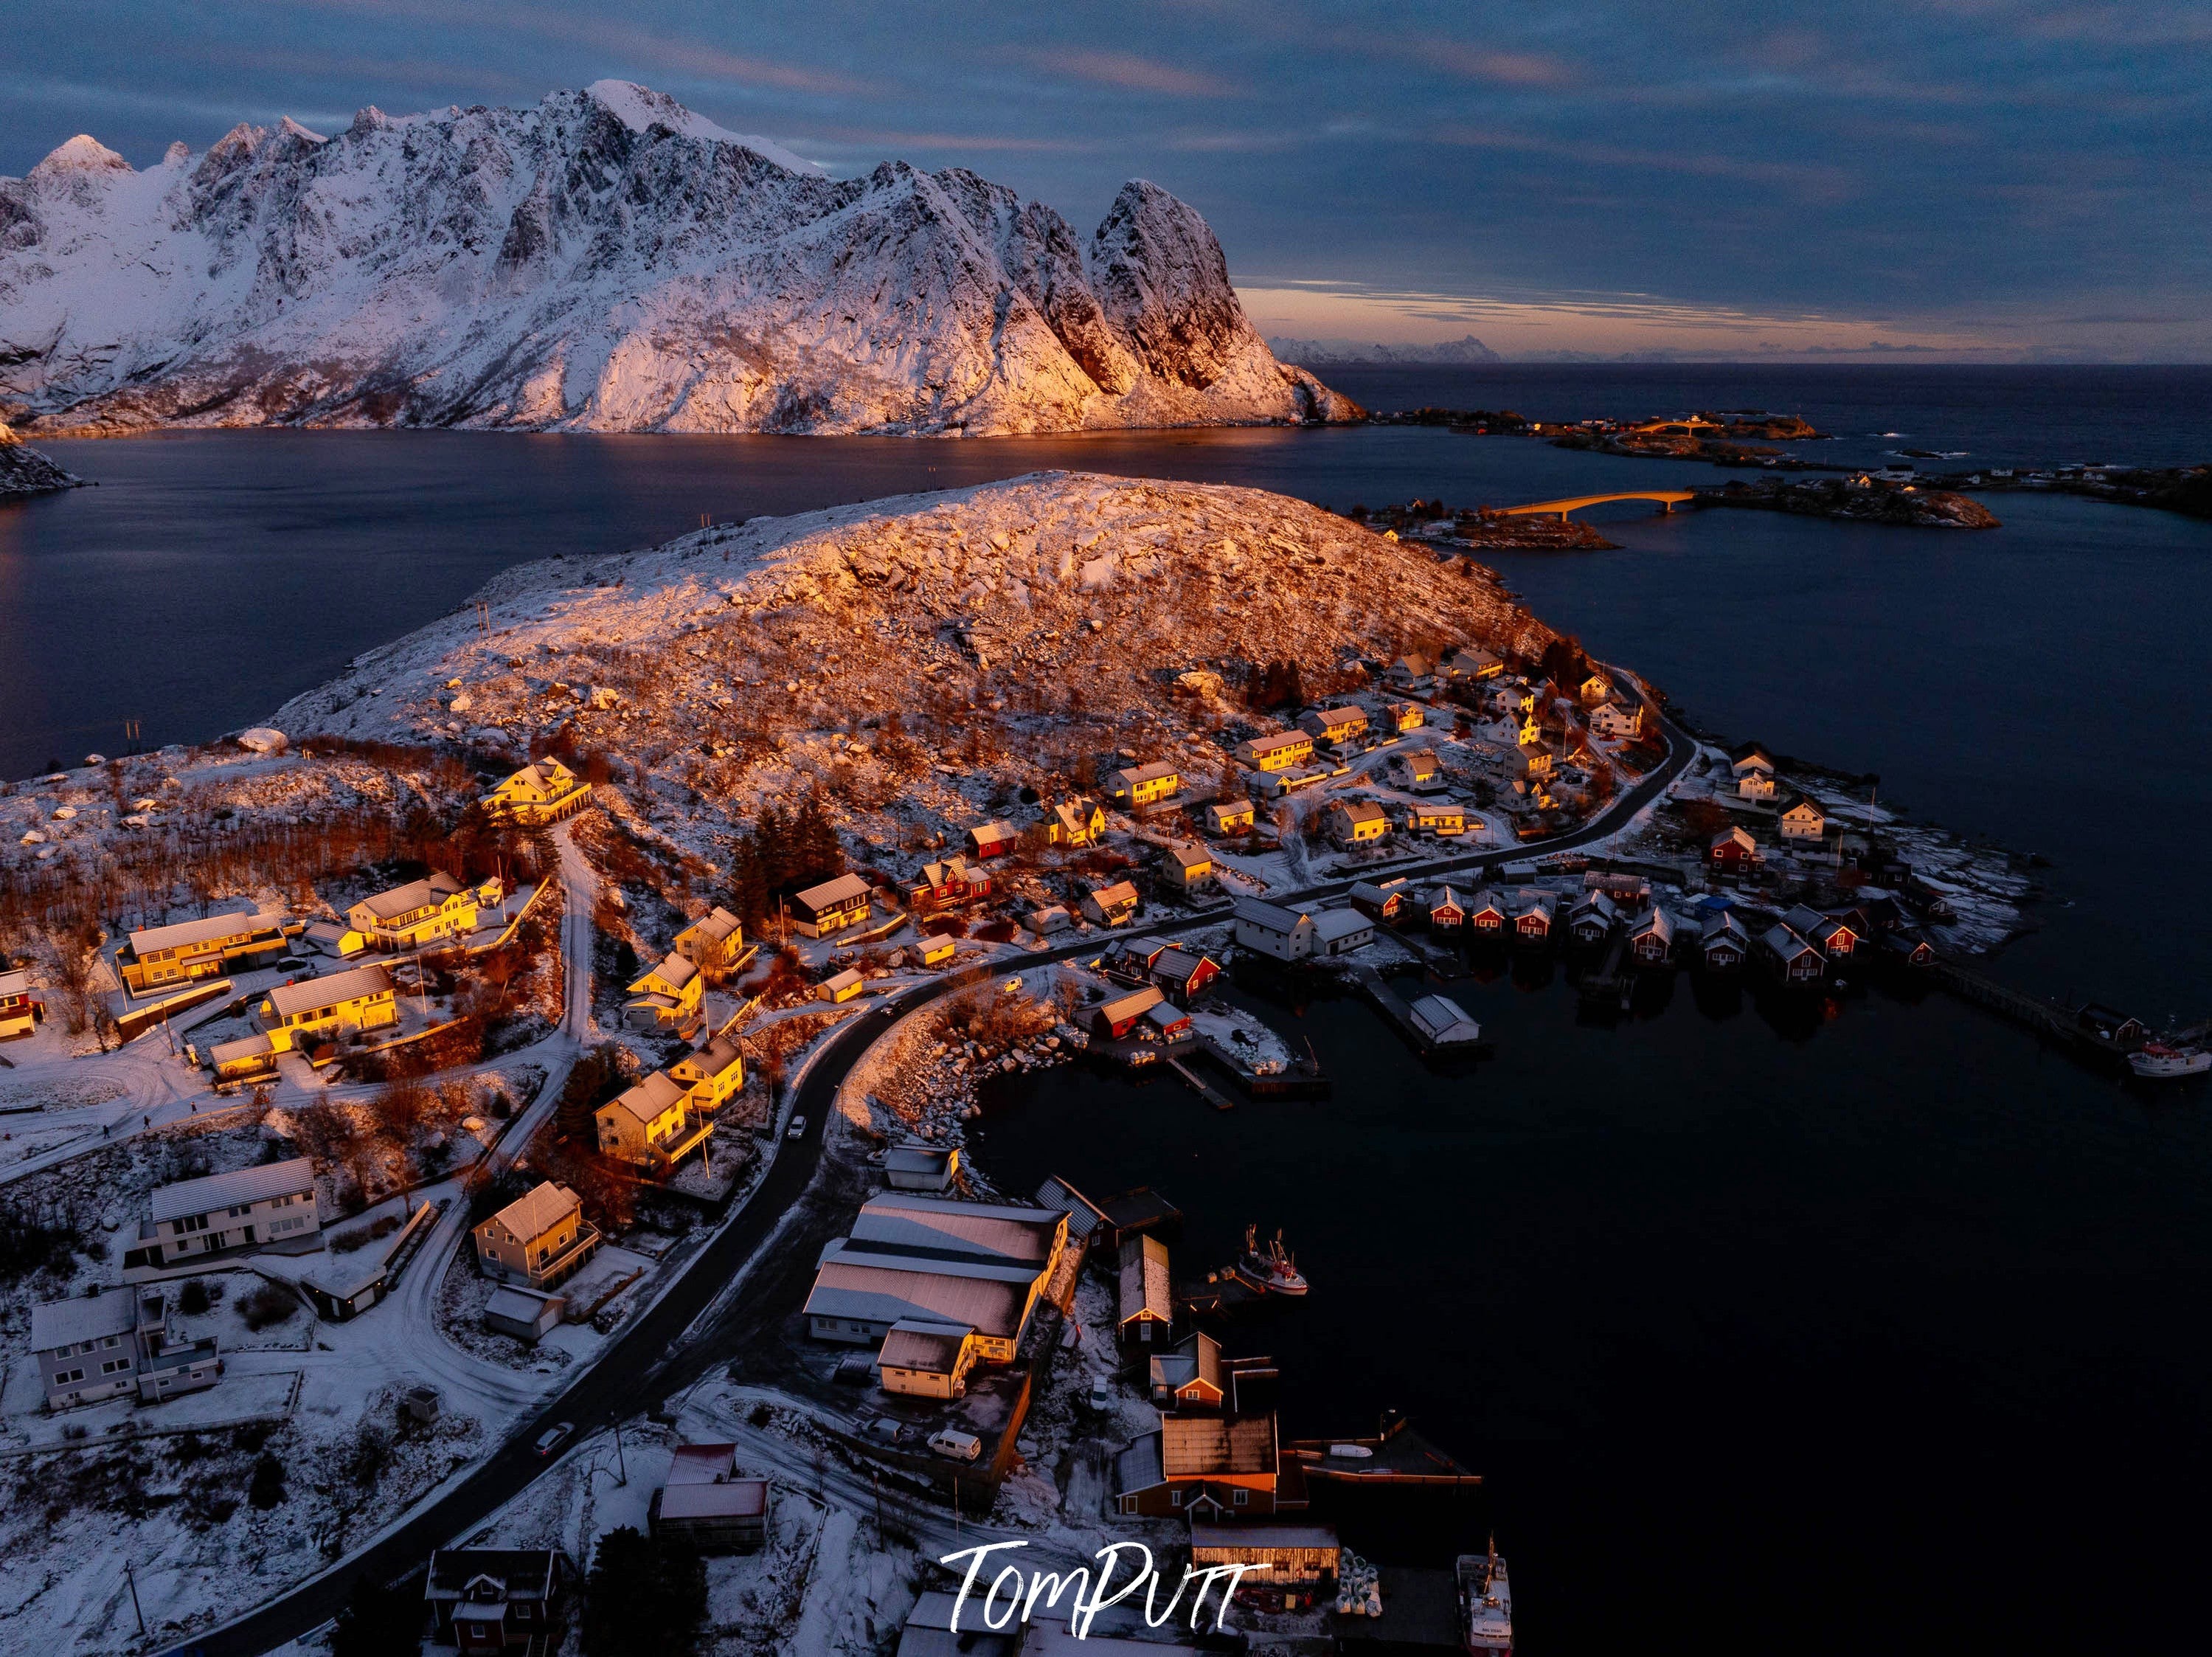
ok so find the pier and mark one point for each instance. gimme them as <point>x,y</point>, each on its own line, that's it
<point>1388,1002</point>
<point>1212,1095</point>
<point>2044,1017</point>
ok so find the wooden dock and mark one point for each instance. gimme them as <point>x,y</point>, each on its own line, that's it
<point>2044,1017</point>
<point>1206,1090</point>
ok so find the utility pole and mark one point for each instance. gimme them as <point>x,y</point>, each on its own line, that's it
<point>622,1465</point>
<point>135,1610</point>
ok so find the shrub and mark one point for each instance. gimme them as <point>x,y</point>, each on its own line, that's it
<point>192,1298</point>
<point>267,1489</point>
<point>644,1598</point>
<point>266,1304</point>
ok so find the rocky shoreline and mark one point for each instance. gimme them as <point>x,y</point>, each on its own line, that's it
<point>24,471</point>
<point>1853,501</point>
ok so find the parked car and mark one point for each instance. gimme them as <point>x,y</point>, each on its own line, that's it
<point>885,1427</point>
<point>797,1129</point>
<point>961,1447</point>
<point>554,1437</point>
<point>1102,1394</point>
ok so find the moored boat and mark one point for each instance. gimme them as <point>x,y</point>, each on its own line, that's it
<point>1485,1601</point>
<point>1271,1268</point>
<point>2154,1061</point>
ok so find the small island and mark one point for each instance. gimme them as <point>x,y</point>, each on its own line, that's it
<point>1859,498</point>
<point>24,471</point>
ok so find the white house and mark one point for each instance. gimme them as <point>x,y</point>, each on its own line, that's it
<point>1285,935</point>
<point>254,1207</point>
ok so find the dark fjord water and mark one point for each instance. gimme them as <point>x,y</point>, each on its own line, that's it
<point>1775,1330</point>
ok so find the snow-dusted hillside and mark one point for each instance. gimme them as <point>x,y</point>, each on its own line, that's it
<point>607,261</point>
<point>1015,627</point>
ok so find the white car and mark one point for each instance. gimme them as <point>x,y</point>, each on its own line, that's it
<point>554,1437</point>
<point>797,1129</point>
<point>1102,1394</point>
<point>961,1447</point>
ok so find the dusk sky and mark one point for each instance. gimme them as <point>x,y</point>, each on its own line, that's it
<point>1964,178</point>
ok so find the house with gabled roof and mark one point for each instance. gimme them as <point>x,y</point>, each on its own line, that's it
<point>359,998</point>
<point>652,1125</point>
<point>711,1074</point>
<point>418,913</point>
<point>1438,817</point>
<point>1732,849</point>
<point>1276,753</point>
<point>159,957</point>
<point>1140,788</point>
<point>1723,942</point>
<point>19,1011</point>
<point>513,1602</point>
<point>1339,724</point>
<point>1357,822</point>
<point>545,791</point>
<point>1110,905</point>
<point>713,940</point>
<point>667,997</point>
<point>540,1240</point>
<point>996,839</point>
<point>1075,823</point>
<point>1145,1313</point>
<point>1183,975</point>
<point>1398,717</point>
<point>1790,957</point>
<point>1232,816</point>
<point>946,884</point>
<point>1800,819</point>
<point>1185,866</point>
<point>1651,937</point>
<point>832,906</point>
<point>1285,934</point>
<point>1475,663</point>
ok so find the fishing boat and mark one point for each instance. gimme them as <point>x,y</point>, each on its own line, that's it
<point>1271,1268</point>
<point>1486,1603</point>
<point>2156,1062</point>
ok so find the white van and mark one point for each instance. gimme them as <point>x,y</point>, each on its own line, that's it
<point>961,1447</point>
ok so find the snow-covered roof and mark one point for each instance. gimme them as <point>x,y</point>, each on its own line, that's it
<point>878,1289</point>
<point>91,1318</point>
<point>948,1226</point>
<point>1444,1020</point>
<point>918,1159</point>
<point>313,995</point>
<point>1146,1289</point>
<point>653,1097</point>
<point>718,925</point>
<point>1333,924</point>
<point>846,889</point>
<point>18,983</point>
<point>537,1211</point>
<point>406,899</point>
<point>1135,1004</point>
<point>234,924</point>
<point>294,1177</point>
<point>1106,897</point>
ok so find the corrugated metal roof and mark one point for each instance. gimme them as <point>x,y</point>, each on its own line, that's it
<point>223,1191</point>
<point>934,1348</point>
<point>1083,1215</point>
<point>845,889</point>
<point>880,1293</point>
<point>1273,917</point>
<point>956,1229</point>
<point>1146,1289</point>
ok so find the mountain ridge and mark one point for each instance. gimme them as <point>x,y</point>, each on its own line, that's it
<point>604,261</point>
<point>1345,353</point>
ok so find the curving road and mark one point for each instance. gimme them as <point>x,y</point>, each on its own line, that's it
<point>641,1360</point>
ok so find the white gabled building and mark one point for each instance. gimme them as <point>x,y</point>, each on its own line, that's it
<point>1285,935</point>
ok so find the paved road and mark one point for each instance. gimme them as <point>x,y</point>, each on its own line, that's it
<point>641,1362</point>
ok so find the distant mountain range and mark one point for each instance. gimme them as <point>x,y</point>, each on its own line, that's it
<point>1333,353</point>
<point>605,261</point>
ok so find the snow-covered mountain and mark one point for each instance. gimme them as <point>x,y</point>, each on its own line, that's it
<point>607,261</point>
<point>1341,352</point>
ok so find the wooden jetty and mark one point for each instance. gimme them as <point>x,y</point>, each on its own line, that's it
<point>1212,1095</point>
<point>1611,982</point>
<point>1396,1455</point>
<point>1387,1001</point>
<point>2044,1017</point>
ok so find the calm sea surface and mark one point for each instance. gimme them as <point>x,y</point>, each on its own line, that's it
<point>1872,1327</point>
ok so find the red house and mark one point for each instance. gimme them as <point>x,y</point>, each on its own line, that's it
<point>1446,912</point>
<point>1733,849</point>
<point>1181,976</point>
<point>947,885</point>
<point>993,839</point>
<point>1118,1017</point>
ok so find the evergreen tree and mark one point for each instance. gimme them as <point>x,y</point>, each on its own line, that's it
<point>644,1598</point>
<point>379,1621</point>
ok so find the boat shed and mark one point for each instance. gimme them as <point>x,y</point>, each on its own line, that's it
<point>1283,1556</point>
<point>1444,1022</point>
<point>1146,1315</point>
<point>1121,1015</point>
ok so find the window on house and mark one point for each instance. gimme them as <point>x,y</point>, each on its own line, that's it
<point>1244,1497</point>
<point>1175,1498</point>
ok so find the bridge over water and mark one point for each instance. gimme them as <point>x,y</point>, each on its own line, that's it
<point>1668,499</point>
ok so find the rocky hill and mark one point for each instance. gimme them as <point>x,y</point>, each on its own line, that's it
<point>917,660</point>
<point>606,261</point>
<point>24,470</point>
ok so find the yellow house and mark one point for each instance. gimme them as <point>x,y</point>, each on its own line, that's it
<point>1355,822</point>
<point>1185,866</point>
<point>1078,822</point>
<point>1337,724</point>
<point>654,1125</point>
<point>668,997</point>
<point>420,912</point>
<point>1146,785</point>
<point>843,987</point>
<point>1432,818</point>
<point>541,793</point>
<point>932,949</point>
<point>541,1239</point>
<point>1228,816</point>
<point>712,1074</point>
<point>1596,688</point>
<point>19,1011</point>
<point>712,941</point>
<point>1402,716</point>
<point>159,956</point>
<point>1276,753</point>
<point>359,999</point>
